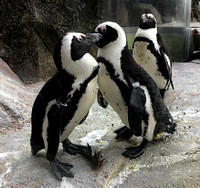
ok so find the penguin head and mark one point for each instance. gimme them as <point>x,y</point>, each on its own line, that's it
<point>147,21</point>
<point>72,47</point>
<point>111,33</point>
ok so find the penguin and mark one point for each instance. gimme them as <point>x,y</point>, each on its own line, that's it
<point>64,101</point>
<point>150,52</point>
<point>130,91</point>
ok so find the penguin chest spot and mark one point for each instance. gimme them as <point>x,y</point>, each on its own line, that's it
<point>144,57</point>
<point>113,95</point>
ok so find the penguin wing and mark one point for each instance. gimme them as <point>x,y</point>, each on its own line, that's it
<point>135,110</point>
<point>135,106</point>
<point>54,122</point>
<point>165,55</point>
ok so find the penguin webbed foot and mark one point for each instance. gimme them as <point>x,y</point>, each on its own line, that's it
<point>86,151</point>
<point>61,169</point>
<point>74,149</point>
<point>123,133</point>
<point>134,152</point>
<point>95,158</point>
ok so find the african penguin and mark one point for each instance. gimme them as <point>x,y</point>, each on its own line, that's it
<point>151,54</point>
<point>129,90</point>
<point>65,100</point>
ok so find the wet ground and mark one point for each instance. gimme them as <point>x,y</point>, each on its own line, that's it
<point>172,162</point>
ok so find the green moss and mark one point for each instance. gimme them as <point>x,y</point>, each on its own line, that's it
<point>131,168</point>
<point>192,152</point>
<point>175,46</point>
<point>130,39</point>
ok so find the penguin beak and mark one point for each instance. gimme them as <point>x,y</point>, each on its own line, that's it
<point>147,21</point>
<point>144,18</point>
<point>93,37</point>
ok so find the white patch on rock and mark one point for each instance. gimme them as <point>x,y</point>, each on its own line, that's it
<point>94,139</point>
<point>14,154</point>
<point>65,184</point>
<point>122,176</point>
<point>2,181</point>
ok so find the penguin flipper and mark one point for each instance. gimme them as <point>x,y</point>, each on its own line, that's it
<point>164,53</point>
<point>135,109</point>
<point>86,151</point>
<point>75,148</point>
<point>134,152</point>
<point>54,116</point>
<point>169,74</point>
<point>61,169</point>
<point>123,133</point>
<point>101,100</point>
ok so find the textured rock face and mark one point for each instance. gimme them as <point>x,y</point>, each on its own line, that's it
<point>15,100</point>
<point>195,11</point>
<point>30,28</point>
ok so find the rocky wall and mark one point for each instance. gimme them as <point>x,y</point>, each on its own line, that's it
<point>29,30</point>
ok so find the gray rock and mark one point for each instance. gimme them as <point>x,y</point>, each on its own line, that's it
<point>15,99</point>
<point>172,162</point>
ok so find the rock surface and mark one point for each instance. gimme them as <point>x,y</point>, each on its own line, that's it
<point>15,99</point>
<point>172,162</point>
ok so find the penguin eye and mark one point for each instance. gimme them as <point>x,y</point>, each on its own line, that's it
<point>80,39</point>
<point>151,17</point>
<point>99,30</point>
<point>104,30</point>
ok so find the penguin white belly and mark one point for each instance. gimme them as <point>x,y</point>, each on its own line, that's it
<point>84,105</point>
<point>148,62</point>
<point>112,94</point>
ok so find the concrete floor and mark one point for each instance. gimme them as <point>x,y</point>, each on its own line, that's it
<point>173,162</point>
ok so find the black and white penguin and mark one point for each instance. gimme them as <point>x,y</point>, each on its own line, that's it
<point>150,52</point>
<point>65,100</point>
<point>129,90</point>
